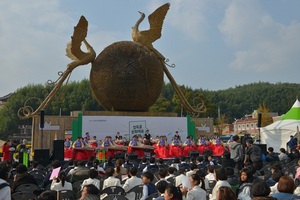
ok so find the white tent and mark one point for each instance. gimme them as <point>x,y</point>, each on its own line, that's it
<point>276,135</point>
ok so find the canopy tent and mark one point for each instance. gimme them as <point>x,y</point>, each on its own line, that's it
<point>277,134</point>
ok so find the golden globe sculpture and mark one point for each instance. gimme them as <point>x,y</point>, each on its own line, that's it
<point>126,75</point>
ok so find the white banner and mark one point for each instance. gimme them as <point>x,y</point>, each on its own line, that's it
<point>128,126</point>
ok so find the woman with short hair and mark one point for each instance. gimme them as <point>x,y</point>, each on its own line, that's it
<point>286,187</point>
<point>225,193</point>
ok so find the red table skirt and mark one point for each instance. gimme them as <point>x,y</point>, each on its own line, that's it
<point>79,154</point>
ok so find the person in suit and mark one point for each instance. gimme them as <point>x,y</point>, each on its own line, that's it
<point>143,164</point>
<point>183,164</point>
<point>131,182</point>
<point>111,180</point>
<point>196,192</point>
<point>60,183</point>
<point>149,188</point>
<point>152,165</point>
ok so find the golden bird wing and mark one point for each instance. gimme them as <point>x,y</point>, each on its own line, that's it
<point>80,32</point>
<point>156,20</point>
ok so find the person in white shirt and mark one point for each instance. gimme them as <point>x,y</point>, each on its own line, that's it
<point>210,176</point>
<point>62,184</point>
<point>196,192</point>
<point>131,182</point>
<point>282,154</point>
<point>92,179</point>
<point>193,170</point>
<point>111,180</point>
<point>221,178</point>
<point>180,177</point>
<point>162,173</point>
<point>171,171</point>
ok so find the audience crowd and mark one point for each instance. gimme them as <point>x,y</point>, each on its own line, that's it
<point>229,177</point>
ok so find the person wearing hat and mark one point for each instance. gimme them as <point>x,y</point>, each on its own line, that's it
<point>253,155</point>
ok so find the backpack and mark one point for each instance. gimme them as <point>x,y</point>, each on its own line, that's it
<point>243,196</point>
<point>3,185</point>
<point>234,152</point>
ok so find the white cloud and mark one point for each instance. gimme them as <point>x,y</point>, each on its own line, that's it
<point>261,43</point>
<point>188,17</point>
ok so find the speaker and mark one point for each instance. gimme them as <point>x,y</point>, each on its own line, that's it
<point>58,150</point>
<point>120,155</point>
<point>42,156</point>
<point>42,119</point>
<point>259,120</point>
<point>194,154</point>
<point>132,156</point>
<point>207,153</point>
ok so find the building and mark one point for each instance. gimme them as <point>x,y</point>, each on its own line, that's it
<point>4,99</point>
<point>249,123</point>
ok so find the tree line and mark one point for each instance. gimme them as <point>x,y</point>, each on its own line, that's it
<point>230,103</point>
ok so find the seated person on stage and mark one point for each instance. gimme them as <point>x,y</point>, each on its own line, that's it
<point>68,143</point>
<point>175,147</point>
<point>78,143</point>
<point>132,147</point>
<point>188,146</point>
<point>68,148</point>
<point>217,147</point>
<point>93,142</point>
<point>119,141</point>
<point>108,143</point>
<point>85,141</point>
<point>154,141</point>
<point>202,145</point>
<point>161,150</point>
<point>140,139</point>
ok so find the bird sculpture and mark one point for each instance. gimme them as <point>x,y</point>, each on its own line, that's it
<point>74,52</point>
<point>147,37</point>
<point>126,75</point>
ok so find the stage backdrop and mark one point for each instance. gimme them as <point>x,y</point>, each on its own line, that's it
<point>128,126</point>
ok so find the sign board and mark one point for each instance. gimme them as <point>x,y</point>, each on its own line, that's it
<point>101,126</point>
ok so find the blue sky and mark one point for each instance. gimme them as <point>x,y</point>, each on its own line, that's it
<point>214,44</point>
